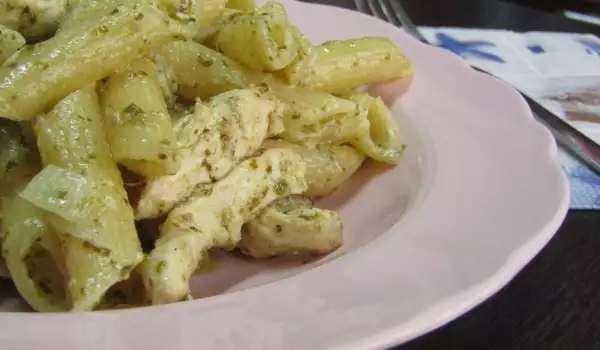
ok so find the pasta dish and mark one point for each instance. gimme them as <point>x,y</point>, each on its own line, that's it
<point>215,121</point>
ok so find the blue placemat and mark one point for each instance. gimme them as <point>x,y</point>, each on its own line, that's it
<point>559,70</point>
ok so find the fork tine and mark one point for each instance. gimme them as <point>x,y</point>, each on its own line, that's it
<point>389,13</point>
<point>375,10</point>
<point>405,21</point>
<point>362,6</point>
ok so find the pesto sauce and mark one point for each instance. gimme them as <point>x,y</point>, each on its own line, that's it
<point>210,263</point>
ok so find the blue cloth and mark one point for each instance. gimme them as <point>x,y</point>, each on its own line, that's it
<point>538,63</point>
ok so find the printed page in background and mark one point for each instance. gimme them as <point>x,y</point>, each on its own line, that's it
<point>559,70</point>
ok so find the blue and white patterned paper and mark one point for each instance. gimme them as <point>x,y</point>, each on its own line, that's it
<point>560,70</point>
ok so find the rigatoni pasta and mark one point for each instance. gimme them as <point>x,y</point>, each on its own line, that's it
<point>214,123</point>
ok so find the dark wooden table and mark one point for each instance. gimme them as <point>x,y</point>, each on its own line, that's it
<point>554,303</point>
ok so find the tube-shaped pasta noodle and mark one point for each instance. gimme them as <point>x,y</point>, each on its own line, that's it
<point>78,55</point>
<point>216,219</point>
<point>303,59</point>
<point>138,125</point>
<point>196,14</point>
<point>211,11</point>
<point>201,72</point>
<point>242,5</point>
<point>32,18</point>
<point>292,225</point>
<point>327,167</point>
<point>340,65</point>
<point>10,42</point>
<point>213,141</point>
<point>15,155</point>
<point>313,116</point>
<point>13,150</point>
<point>378,137</point>
<point>101,245</point>
<point>30,247</point>
<point>264,32</point>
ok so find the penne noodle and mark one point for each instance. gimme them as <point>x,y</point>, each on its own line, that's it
<point>99,241</point>
<point>138,125</point>
<point>291,225</point>
<point>340,65</point>
<point>39,76</point>
<point>327,167</point>
<point>198,71</point>
<point>10,42</point>
<point>265,32</point>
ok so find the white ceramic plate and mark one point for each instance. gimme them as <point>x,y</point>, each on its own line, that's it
<point>477,196</point>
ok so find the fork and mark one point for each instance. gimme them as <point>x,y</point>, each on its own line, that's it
<point>392,12</point>
<point>567,137</point>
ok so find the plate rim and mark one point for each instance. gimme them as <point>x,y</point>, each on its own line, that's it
<point>423,323</point>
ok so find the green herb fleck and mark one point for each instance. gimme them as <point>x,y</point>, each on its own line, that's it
<point>160,267</point>
<point>132,110</point>
<point>308,216</point>
<point>226,217</point>
<point>44,287</point>
<point>203,190</point>
<point>96,249</point>
<point>205,60</point>
<point>61,195</point>
<point>283,166</point>
<point>281,187</point>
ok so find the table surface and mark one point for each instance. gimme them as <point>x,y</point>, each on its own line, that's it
<point>554,303</point>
